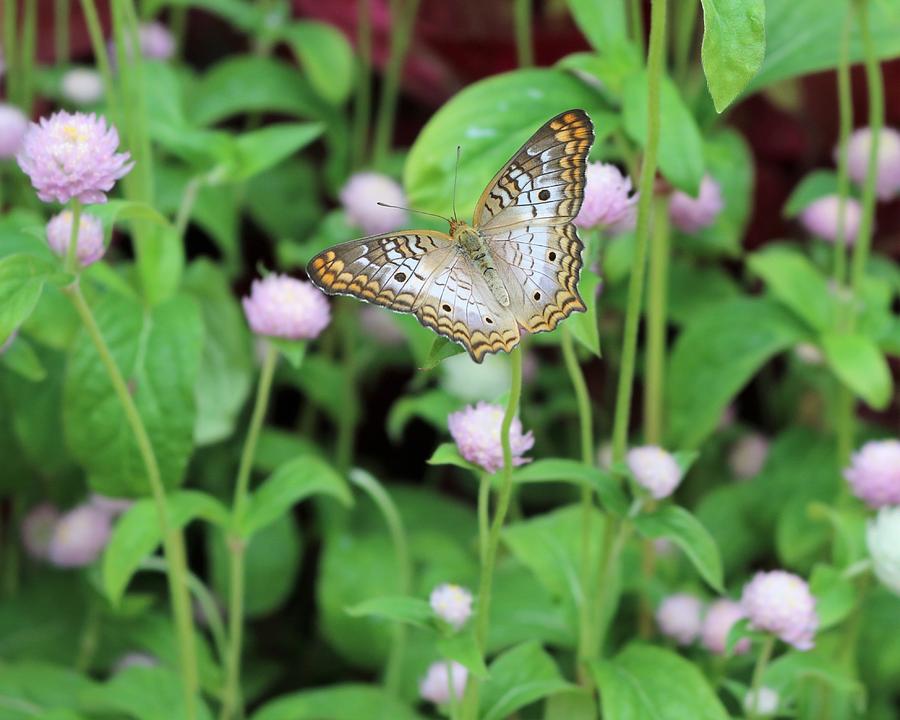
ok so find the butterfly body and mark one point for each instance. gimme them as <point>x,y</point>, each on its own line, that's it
<point>515,269</point>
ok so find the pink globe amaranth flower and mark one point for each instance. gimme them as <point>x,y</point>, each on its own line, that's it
<point>874,473</point>
<point>690,214</point>
<point>887,183</point>
<point>654,469</point>
<point>360,198</point>
<point>83,86</point>
<point>476,432</point>
<point>720,618</point>
<point>37,530</point>
<point>73,156</point>
<point>284,307</point>
<point>110,505</point>
<point>79,536</point>
<point>608,201</point>
<point>679,617</point>
<point>441,679</point>
<point>452,604</point>
<point>155,41</point>
<point>13,128</point>
<point>780,603</point>
<point>89,248</point>
<point>748,455</point>
<point>820,218</point>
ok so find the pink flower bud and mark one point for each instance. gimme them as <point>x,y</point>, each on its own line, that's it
<point>608,201</point>
<point>476,431</point>
<point>720,618</point>
<point>654,469</point>
<point>89,246</point>
<point>887,183</point>
<point>874,473</point>
<point>820,218</point>
<point>360,198</point>
<point>780,603</point>
<point>13,128</point>
<point>678,617</point>
<point>690,214</point>
<point>442,679</point>
<point>281,306</point>
<point>79,537</point>
<point>452,604</point>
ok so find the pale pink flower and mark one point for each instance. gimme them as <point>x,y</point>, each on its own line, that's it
<point>887,183</point>
<point>720,618</point>
<point>73,156</point>
<point>690,214</point>
<point>780,603</point>
<point>79,536</point>
<point>155,41</point>
<point>442,679</point>
<point>13,128</point>
<point>608,201</point>
<point>452,604</point>
<point>748,455</point>
<point>820,218</point>
<point>360,198</point>
<point>89,248</point>
<point>476,431</point>
<point>284,307</point>
<point>874,473</point>
<point>654,469</point>
<point>679,617</point>
<point>82,86</point>
<point>37,530</point>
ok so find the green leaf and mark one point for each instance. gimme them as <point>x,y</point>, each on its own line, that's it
<point>22,279</point>
<point>835,595</point>
<point>448,454</point>
<point>734,45</point>
<point>571,471</point>
<point>715,356</point>
<point>804,36</point>
<point>158,352</point>
<point>325,55</point>
<point>678,525</point>
<point>21,359</point>
<point>259,150</point>
<point>817,184</point>
<point>490,120</point>
<point>463,648</point>
<point>38,689</point>
<point>246,83</point>
<point>337,702</point>
<point>797,283</point>
<point>272,558</point>
<point>116,211</point>
<point>143,693</point>
<point>293,350</point>
<point>441,349</point>
<point>293,482</point>
<point>585,327</point>
<point>650,683</point>
<point>398,608</point>
<point>602,23</point>
<point>860,365</point>
<point>137,534</point>
<point>243,16</point>
<point>680,142</point>
<point>432,406</point>
<point>519,677</point>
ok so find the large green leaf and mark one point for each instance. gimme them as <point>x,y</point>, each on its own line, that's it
<point>143,693</point>
<point>158,353</point>
<point>650,683</point>
<point>490,120</point>
<point>22,279</point>
<point>860,365</point>
<point>337,702</point>
<point>607,487</point>
<point>38,689</point>
<point>734,44</point>
<point>259,150</point>
<point>715,356</point>
<point>680,142</point>
<point>603,23</point>
<point>325,55</point>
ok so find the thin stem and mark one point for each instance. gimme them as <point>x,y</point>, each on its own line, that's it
<point>90,636</point>
<point>98,45</point>
<point>61,11</point>
<point>875,86</point>
<point>346,431</point>
<point>403,18</point>
<point>173,540</point>
<point>29,48</point>
<point>484,509</point>
<point>845,105</point>
<point>636,23</point>
<point>585,422</point>
<point>362,102</point>
<point>524,41</point>
<point>188,200</point>
<point>657,322</point>
<point>10,48</point>
<point>72,261</point>
<point>765,653</point>
<point>231,693</point>
<point>616,533</point>
<point>685,23</point>
<point>655,56</point>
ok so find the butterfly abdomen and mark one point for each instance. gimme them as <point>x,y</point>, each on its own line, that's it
<point>475,247</point>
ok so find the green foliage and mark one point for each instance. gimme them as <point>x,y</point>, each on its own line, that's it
<point>325,56</point>
<point>340,702</point>
<point>603,24</point>
<point>816,185</point>
<point>22,279</point>
<point>860,365</point>
<point>144,693</point>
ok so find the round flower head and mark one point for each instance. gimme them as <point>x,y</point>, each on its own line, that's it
<point>820,218</point>
<point>874,473</point>
<point>79,537</point>
<point>762,703</point>
<point>110,505</point>
<point>13,128</point>
<point>654,469</point>
<point>780,602</point>
<point>37,530</point>
<point>678,617</point>
<point>281,306</point>
<point>720,618</point>
<point>608,201</point>
<point>442,679</point>
<point>883,540</point>
<point>748,455</point>
<point>73,156</point>
<point>82,86</point>
<point>452,604</point>
<point>476,431</point>
<point>690,214</point>
<point>156,42</point>
<point>887,183</point>
<point>360,198</point>
<point>90,246</point>
<point>467,380</point>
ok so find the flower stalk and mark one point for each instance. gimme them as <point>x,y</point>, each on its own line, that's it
<point>762,661</point>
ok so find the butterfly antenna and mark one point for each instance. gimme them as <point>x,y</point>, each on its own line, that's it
<point>455,176</point>
<point>421,212</point>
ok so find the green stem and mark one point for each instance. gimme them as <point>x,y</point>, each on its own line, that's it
<point>636,23</point>
<point>231,692</point>
<point>10,48</point>
<point>346,431</point>
<point>875,85</point>
<point>72,263</point>
<point>188,200</point>
<point>403,18</point>
<point>484,510</point>
<point>845,105</point>
<point>394,523</point>
<point>524,41</point>
<point>616,533</point>
<point>759,670</point>
<point>90,636</point>
<point>655,56</point>
<point>61,11</point>
<point>657,322</point>
<point>173,540</point>
<point>29,48</point>
<point>362,102</point>
<point>585,422</point>
<point>98,45</point>
<point>684,23</point>
<point>489,554</point>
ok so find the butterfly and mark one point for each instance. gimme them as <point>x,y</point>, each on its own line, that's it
<point>515,269</point>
